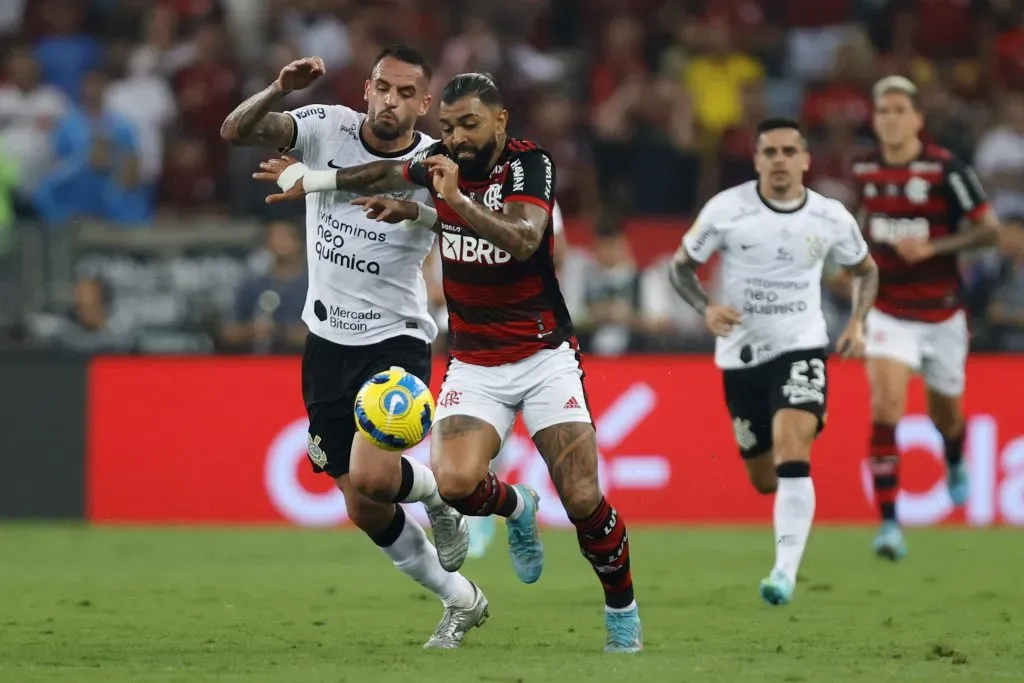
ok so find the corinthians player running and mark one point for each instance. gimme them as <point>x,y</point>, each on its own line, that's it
<point>366,309</point>
<point>774,236</point>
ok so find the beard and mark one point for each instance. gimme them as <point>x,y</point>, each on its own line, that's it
<point>477,166</point>
<point>386,129</point>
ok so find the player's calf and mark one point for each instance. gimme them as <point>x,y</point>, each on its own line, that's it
<point>793,514</point>
<point>946,413</point>
<point>570,451</point>
<point>761,473</point>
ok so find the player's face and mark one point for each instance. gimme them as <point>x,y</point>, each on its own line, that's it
<point>897,121</point>
<point>470,130</point>
<point>396,95</point>
<point>781,160</point>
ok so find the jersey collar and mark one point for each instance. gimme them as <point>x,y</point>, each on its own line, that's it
<point>776,209</point>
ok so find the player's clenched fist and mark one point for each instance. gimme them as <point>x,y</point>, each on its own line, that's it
<point>300,74</point>
<point>720,319</point>
<point>444,174</point>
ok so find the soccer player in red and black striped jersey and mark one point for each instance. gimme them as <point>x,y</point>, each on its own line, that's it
<point>511,338</point>
<point>914,199</point>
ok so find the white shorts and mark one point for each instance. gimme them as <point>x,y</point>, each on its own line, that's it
<point>547,387</point>
<point>937,350</point>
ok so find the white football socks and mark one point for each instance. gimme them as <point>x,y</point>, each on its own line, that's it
<point>424,486</point>
<point>416,557</point>
<point>793,515</point>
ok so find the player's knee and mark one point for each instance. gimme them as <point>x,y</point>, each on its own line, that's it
<point>886,407</point>
<point>580,499</point>
<point>792,449</point>
<point>456,482</point>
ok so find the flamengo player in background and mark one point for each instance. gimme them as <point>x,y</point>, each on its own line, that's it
<point>512,342</point>
<point>774,236</point>
<point>367,311</point>
<point>914,197</point>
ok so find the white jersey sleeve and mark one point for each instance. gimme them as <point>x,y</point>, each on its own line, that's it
<point>704,237</point>
<point>316,123</point>
<point>849,248</point>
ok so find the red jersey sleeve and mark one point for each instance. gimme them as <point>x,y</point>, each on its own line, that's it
<point>531,178</point>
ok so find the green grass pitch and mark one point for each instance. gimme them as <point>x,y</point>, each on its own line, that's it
<point>282,605</point>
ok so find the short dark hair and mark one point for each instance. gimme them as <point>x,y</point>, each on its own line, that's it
<point>479,84</point>
<point>407,54</point>
<point>778,123</point>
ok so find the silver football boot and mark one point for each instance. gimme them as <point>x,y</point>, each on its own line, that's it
<point>451,536</point>
<point>457,621</point>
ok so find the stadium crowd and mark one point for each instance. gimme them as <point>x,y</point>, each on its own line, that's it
<point>110,112</point>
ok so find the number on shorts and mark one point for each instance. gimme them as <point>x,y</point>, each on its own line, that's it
<point>808,372</point>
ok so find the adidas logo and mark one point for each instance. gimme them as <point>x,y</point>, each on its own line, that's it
<point>571,403</point>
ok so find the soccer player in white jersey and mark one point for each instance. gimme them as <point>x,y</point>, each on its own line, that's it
<point>366,309</point>
<point>773,235</point>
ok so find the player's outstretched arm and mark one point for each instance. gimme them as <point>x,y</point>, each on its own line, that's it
<point>252,122</point>
<point>864,289</point>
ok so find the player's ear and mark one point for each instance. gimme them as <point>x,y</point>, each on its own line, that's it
<point>425,105</point>
<point>807,162</point>
<point>366,90</point>
<point>501,121</point>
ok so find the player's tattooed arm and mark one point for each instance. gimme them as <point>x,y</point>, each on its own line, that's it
<point>376,176</point>
<point>518,230</point>
<point>252,122</point>
<point>683,276</point>
<point>983,232</point>
<point>863,287</point>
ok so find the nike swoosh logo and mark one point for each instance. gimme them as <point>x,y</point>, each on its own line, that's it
<point>331,164</point>
<point>744,247</point>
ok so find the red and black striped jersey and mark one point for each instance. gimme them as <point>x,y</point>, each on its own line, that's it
<point>925,199</point>
<point>500,310</point>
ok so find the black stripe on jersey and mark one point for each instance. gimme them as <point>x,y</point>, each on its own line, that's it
<point>471,341</point>
<point>482,315</point>
<point>910,277</point>
<point>917,303</point>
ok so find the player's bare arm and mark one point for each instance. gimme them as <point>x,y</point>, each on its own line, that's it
<point>983,232</point>
<point>518,230</point>
<point>394,211</point>
<point>720,319</point>
<point>864,289</point>
<point>296,180</point>
<point>252,122</point>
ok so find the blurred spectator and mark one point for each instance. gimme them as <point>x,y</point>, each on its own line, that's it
<point>735,154</point>
<point>715,79</point>
<point>189,184</point>
<point>88,327</point>
<point>315,32</point>
<point>1006,309</point>
<point>1000,158</point>
<point>207,91</point>
<point>65,53</point>
<point>947,119</point>
<point>29,111</point>
<point>1008,49</point>
<point>815,30</point>
<point>832,160</point>
<point>553,125</point>
<point>664,160</point>
<point>12,14</point>
<point>942,29</point>
<point>615,318</point>
<point>845,94</point>
<point>97,170</point>
<point>267,315</point>
<point>143,98</point>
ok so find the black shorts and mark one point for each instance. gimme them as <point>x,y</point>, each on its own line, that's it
<point>797,380</point>
<point>332,375</point>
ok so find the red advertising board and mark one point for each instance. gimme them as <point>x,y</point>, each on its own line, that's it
<point>222,440</point>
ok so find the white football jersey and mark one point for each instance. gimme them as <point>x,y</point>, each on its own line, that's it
<point>365,277</point>
<point>771,268</point>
